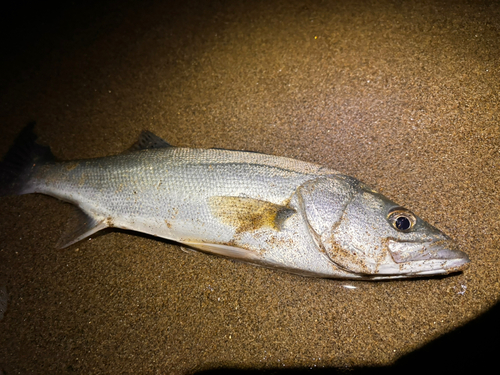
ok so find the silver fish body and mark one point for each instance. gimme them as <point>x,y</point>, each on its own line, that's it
<point>272,211</point>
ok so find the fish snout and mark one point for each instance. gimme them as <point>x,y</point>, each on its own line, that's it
<point>440,254</point>
<point>455,259</point>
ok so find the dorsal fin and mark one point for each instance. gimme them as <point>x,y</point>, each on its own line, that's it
<point>228,149</point>
<point>149,140</point>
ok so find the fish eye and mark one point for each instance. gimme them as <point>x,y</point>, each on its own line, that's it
<point>402,223</point>
<point>401,219</point>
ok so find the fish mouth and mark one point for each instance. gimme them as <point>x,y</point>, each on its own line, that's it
<point>426,258</point>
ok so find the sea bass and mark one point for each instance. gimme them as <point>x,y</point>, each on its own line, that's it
<point>268,210</point>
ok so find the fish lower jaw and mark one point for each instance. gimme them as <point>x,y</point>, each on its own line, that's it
<point>427,267</point>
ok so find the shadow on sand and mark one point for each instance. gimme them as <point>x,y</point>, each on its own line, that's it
<point>473,346</point>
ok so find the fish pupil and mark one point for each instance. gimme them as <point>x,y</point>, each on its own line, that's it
<point>402,223</point>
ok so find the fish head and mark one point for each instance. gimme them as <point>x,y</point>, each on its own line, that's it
<point>367,234</point>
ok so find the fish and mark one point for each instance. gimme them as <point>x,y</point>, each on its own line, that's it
<point>267,210</point>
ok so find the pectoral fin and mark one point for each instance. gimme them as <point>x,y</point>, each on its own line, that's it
<point>248,214</point>
<point>80,225</point>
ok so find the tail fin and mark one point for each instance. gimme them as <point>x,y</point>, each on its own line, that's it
<point>19,162</point>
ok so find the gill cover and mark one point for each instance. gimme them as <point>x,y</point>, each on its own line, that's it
<point>324,202</point>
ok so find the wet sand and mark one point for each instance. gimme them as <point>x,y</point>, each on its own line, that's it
<point>403,97</point>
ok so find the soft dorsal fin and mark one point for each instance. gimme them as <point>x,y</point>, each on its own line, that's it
<point>149,140</point>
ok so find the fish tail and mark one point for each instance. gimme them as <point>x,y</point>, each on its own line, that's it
<point>25,155</point>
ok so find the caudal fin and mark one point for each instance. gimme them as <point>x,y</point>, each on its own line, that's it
<point>19,162</point>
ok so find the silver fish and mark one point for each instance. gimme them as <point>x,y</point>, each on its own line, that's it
<point>268,210</point>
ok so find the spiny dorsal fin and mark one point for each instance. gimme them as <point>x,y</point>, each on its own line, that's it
<point>148,140</point>
<point>248,214</point>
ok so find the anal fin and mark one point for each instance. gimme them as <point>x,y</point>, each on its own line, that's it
<point>80,225</point>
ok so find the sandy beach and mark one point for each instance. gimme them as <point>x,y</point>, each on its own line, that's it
<point>403,96</point>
